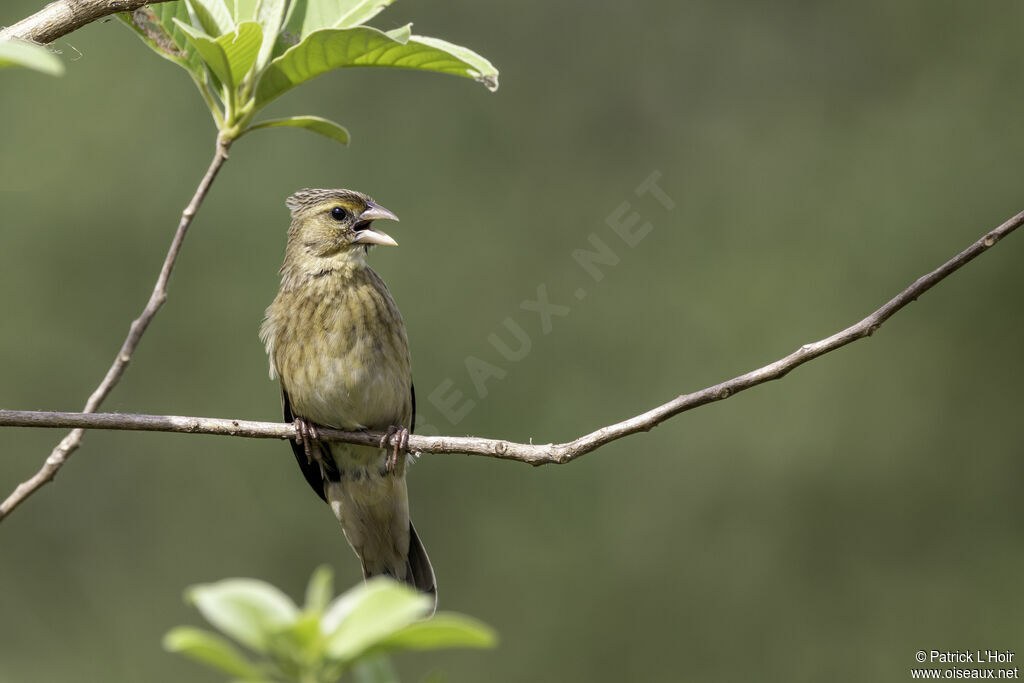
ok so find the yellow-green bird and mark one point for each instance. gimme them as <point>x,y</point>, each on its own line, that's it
<point>337,341</point>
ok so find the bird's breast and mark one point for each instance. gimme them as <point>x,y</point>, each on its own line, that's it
<point>340,348</point>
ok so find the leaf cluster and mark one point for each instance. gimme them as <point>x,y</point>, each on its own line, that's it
<point>324,639</point>
<point>244,54</point>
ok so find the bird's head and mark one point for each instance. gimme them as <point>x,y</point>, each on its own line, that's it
<point>333,226</point>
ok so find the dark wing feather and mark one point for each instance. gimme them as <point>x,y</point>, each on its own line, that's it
<point>418,572</point>
<point>310,470</point>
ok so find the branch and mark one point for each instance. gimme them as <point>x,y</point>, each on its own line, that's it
<point>534,454</point>
<point>73,440</point>
<point>64,16</point>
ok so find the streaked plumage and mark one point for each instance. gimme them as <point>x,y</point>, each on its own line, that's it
<point>337,341</point>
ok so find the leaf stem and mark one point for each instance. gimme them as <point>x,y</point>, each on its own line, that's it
<point>211,101</point>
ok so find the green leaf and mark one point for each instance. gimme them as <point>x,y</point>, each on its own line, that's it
<point>245,10</point>
<point>316,124</point>
<point>210,649</point>
<point>402,34</point>
<point>302,636</point>
<point>155,25</point>
<point>30,56</point>
<point>358,12</point>
<point>213,16</point>
<point>320,589</point>
<point>443,630</point>
<point>271,16</point>
<point>232,55</point>
<point>328,49</point>
<point>306,17</point>
<point>479,69</point>
<point>248,610</point>
<point>241,47</point>
<point>374,670</point>
<point>369,613</point>
<point>211,52</point>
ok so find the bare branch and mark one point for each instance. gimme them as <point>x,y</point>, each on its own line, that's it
<point>534,454</point>
<point>73,440</point>
<point>64,16</point>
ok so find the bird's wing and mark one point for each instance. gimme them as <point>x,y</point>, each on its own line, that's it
<point>310,470</point>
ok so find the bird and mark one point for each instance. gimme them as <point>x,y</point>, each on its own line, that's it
<point>337,341</point>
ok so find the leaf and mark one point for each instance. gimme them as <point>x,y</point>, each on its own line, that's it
<point>212,649</point>
<point>303,635</point>
<point>485,74</point>
<point>244,10</point>
<point>316,124</point>
<point>213,16</point>
<point>30,56</point>
<point>360,12</point>
<point>443,630</point>
<point>321,586</point>
<point>374,670</point>
<point>211,52</point>
<point>232,55</point>
<point>402,34</point>
<point>369,613</point>
<point>327,49</point>
<point>241,47</point>
<point>155,25</point>
<point>248,610</point>
<point>306,17</point>
<point>271,17</point>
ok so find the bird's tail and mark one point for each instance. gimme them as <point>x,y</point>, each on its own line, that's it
<point>418,572</point>
<point>374,514</point>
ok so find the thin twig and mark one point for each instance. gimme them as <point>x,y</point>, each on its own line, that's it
<point>64,16</point>
<point>73,440</point>
<point>534,454</point>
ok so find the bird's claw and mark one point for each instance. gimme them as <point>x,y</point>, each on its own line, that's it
<point>398,438</point>
<point>306,434</point>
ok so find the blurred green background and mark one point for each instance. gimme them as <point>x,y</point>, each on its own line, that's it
<point>820,157</point>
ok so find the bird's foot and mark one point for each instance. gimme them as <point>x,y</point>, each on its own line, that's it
<point>398,438</point>
<point>306,434</point>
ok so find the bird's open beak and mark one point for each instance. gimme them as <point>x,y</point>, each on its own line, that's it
<point>375,212</point>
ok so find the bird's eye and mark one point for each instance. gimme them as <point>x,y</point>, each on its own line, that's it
<point>338,213</point>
